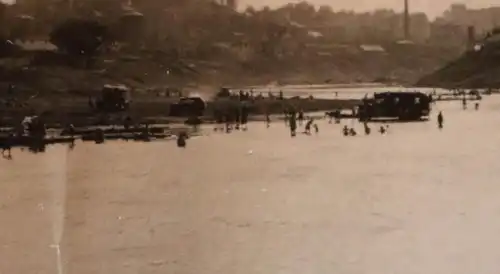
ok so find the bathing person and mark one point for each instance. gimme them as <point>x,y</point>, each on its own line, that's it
<point>268,120</point>
<point>301,117</point>
<point>352,132</point>
<point>181,139</point>
<point>368,130</point>
<point>440,119</point>
<point>7,146</point>
<point>345,131</point>
<point>308,127</point>
<point>293,124</point>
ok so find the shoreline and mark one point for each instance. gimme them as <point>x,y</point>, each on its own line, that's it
<point>157,112</point>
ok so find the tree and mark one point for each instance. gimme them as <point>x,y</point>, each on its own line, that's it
<point>325,13</point>
<point>250,11</point>
<point>79,37</point>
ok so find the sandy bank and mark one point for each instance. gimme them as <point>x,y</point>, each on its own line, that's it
<point>152,110</point>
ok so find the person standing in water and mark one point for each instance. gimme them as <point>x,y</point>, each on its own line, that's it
<point>368,130</point>
<point>477,106</point>
<point>440,120</point>
<point>464,103</point>
<point>268,119</point>
<point>293,124</point>
<point>301,117</point>
<point>181,139</point>
<point>345,131</point>
<point>308,127</point>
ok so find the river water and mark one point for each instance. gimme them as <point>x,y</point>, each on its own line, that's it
<point>417,200</point>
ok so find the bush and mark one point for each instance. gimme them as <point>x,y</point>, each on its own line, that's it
<point>80,37</point>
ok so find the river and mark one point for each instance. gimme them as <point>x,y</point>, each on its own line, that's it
<point>417,200</point>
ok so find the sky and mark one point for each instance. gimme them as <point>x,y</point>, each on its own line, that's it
<point>433,8</point>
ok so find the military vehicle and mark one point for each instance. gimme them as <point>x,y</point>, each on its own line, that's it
<point>114,98</point>
<point>406,106</point>
<point>187,107</point>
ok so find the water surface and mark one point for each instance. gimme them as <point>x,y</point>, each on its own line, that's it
<point>417,200</point>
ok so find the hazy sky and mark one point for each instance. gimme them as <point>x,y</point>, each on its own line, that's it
<point>431,7</point>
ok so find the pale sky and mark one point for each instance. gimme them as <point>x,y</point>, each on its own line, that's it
<point>431,7</point>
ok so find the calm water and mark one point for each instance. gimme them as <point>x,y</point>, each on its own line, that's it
<point>415,201</point>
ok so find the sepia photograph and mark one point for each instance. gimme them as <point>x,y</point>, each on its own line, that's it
<point>249,136</point>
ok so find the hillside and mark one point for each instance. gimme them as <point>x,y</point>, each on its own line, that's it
<point>148,69</point>
<point>479,69</point>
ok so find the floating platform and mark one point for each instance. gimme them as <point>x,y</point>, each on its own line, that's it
<point>87,131</point>
<point>126,137</point>
<point>27,141</point>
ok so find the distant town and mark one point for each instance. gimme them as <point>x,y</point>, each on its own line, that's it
<point>213,41</point>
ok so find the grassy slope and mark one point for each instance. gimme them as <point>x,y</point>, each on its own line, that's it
<point>471,70</point>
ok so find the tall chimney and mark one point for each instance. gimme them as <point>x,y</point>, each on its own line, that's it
<point>471,37</point>
<point>407,20</point>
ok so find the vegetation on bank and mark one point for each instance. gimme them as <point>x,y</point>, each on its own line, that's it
<point>477,68</point>
<point>174,44</point>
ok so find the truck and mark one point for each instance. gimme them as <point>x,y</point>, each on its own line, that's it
<point>114,98</point>
<point>404,106</point>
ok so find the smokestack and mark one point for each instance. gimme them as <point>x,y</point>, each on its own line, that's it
<point>471,37</point>
<point>407,20</point>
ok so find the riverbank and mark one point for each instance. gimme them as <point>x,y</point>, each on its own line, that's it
<point>472,70</point>
<point>59,113</point>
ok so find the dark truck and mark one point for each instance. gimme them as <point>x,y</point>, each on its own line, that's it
<point>405,106</point>
<point>188,107</point>
<point>114,98</point>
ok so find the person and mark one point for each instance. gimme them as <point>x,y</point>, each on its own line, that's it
<point>316,128</point>
<point>268,119</point>
<point>99,136</point>
<point>477,106</point>
<point>352,132</point>
<point>440,120</point>
<point>464,103</point>
<point>245,112</point>
<point>293,124</point>
<point>71,130</point>
<point>7,146</point>
<point>127,122</point>
<point>338,115</point>
<point>382,130</point>
<point>308,127</point>
<point>345,130</point>
<point>181,139</point>
<point>367,129</point>
<point>301,117</point>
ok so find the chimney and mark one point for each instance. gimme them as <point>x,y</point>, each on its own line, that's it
<point>407,20</point>
<point>471,37</point>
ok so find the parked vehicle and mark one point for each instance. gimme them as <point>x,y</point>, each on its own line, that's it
<point>187,107</point>
<point>114,98</point>
<point>400,105</point>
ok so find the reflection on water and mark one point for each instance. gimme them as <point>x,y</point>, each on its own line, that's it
<point>416,200</point>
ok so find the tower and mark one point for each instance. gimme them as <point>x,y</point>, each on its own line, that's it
<point>407,20</point>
